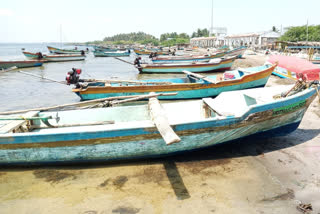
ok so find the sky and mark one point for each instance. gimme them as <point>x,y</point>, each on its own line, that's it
<point>88,20</point>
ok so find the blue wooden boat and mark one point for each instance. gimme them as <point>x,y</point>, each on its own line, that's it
<point>187,59</point>
<point>65,51</point>
<point>55,58</point>
<point>196,67</point>
<point>130,132</point>
<point>236,51</point>
<point>111,54</point>
<point>190,87</point>
<point>294,68</point>
<point>20,64</point>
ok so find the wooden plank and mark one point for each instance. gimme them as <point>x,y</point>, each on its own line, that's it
<point>199,76</point>
<point>17,123</point>
<point>160,119</point>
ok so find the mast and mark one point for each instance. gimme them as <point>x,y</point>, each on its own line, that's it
<point>60,35</point>
<point>211,28</point>
<point>307,31</point>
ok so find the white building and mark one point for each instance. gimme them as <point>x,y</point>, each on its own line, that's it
<point>203,42</point>
<point>259,40</point>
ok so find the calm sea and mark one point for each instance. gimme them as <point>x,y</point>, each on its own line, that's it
<point>20,91</point>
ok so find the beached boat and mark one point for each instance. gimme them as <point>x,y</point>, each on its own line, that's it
<point>148,52</point>
<point>65,51</point>
<point>236,51</point>
<point>111,54</point>
<point>20,64</point>
<point>294,67</point>
<point>192,86</point>
<point>128,132</point>
<point>186,59</point>
<point>315,60</point>
<point>212,65</point>
<point>55,58</point>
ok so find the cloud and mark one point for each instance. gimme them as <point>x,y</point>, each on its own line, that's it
<point>5,12</point>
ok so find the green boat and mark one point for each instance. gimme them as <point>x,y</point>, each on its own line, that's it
<point>21,64</point>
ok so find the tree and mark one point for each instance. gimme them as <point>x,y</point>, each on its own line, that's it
<point>299,33</point>
<point>139,36</point>
<point>200,33</point>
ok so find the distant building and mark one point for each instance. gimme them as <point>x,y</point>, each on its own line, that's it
<point>260,40</point>
<point>212,41</point>
<point>203,42</point>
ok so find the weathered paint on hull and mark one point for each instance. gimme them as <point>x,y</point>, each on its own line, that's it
<point>196,69</point>
<point>7,65</point>
<point>56,59</point>
<point>64,51</point>
<point>188,59</point>
<point>145,141</point>
<point>186,94</point>
<point>138,52</point>
<point>135,148</point>
<point>97,54</point>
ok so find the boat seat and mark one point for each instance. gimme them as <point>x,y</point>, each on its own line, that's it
<point>12,125</point>
<point>230,104</point>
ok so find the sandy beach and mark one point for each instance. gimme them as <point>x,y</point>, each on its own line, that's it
<point>266,177</point>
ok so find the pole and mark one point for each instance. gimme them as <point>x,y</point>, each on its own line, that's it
<point>307,31</point>
<point>52,80</point>
<point>211,18</point>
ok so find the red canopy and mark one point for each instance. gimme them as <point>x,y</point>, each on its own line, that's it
<point>297,65</point>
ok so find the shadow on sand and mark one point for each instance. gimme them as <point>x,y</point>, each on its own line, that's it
<point>215,155</point>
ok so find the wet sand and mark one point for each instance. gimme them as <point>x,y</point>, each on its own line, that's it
<point>266,176</point>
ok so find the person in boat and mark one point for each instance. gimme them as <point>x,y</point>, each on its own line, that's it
<point>87,49</point>
<point>40,56</point>
<point>73,77</point>
<point>76,48</point>
<point>129,51</point>
<point>137,62</point>
<point>174,52</point>
<point>151,55</point>
<point>155,54</point>
<point>82,52</point>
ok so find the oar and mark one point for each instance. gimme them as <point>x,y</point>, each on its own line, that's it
<point>79,103</point>
<point>142,97</point>
<point>52,80</point>
<point>123,60</point>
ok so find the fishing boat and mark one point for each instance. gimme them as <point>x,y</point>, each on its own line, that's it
<point>111,54</point>
<point>65,51</point>
<point>187,59</point>
<point>20,64</point>
<point>213,65</point>
<point>294,67</point>
<point>55,58</point>
<point>315,60</point>
<point>236,51</point>
<point>192,86</point>
<point>128,132</point>
<point>148,52</point>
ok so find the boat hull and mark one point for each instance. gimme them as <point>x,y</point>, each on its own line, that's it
<point>186,59</point>
<point>195,68</point>
<point>64,51</point>
<point>273,119</point>
<point>147,52</point>
<point>56,58</point>
<point>110,54</point>
<point>184,91</point>
<point>20,64</point>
